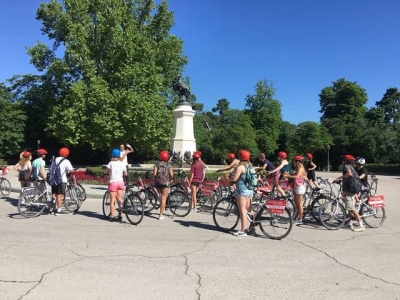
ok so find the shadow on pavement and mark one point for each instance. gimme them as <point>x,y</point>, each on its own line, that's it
<point>12,201</point>
<point>90,214</point>
<point>197,225</point>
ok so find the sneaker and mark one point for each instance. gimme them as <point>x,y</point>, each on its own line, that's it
<point>240,233</point>
<point>161,217</point>
<point>298,222</point>
<point>61,213</point>
<point>119,219</point>
<point>358,228</point>
<point>197,209</point>
<point>112,219</point>
<point>251,230</point>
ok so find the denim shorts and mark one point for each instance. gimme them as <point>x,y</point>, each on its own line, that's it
<point>245,193</point>
<point>300,190</point>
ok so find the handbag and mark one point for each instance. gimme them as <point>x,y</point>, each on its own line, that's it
<point>24,175</point>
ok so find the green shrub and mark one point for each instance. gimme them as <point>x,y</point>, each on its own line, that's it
<point>3,162</point>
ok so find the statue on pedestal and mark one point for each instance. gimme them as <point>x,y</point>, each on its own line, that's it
<point>182,90</point>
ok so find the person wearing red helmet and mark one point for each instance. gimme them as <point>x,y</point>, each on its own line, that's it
<point>38,173</point>
<point>24,167</point>
<point>348,171</point>
<point>59,189</point>
<point>244,195</point>
<point>197,175</point>
<point>283,168</point>
<point>299,188</point>
<point>163,173</point>
<point>233,162</point>
<point>310,167</point>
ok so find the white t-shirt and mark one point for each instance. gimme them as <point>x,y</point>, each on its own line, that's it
<point>65,166</point>
<point>125,160</point>
<point>117,169</point>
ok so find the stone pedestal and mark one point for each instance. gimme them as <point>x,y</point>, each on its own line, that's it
<point>183,138</point>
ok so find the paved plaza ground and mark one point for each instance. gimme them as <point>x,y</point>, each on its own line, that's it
<point>82,256</point>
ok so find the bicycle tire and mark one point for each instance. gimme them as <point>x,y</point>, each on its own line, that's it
<point>226,214</point>
<point>291,206</point>
<point>316,205</point>
<point>332,214</point>
<point>133,208</point>
<point>149,200</point>
<point>378,214</point>
<point>274,226</point>
<point>374,187</point>
<point>29,203</point>
<point>72,199</point>
<point>179,203</point>
<point>106,204</point>
<point>82,190</point>
<point>5,187</point>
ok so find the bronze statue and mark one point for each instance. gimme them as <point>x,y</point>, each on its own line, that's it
<point>182,90</point>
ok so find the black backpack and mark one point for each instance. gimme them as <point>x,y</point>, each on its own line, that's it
<point>352,184</point>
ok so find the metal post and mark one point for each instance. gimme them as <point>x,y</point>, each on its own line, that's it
<point>328,147</point>
<point>38,144</point>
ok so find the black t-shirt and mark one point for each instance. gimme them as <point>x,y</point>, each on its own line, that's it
<point>363,171</point>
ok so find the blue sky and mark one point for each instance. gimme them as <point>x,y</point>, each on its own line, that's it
<point>301,46</point>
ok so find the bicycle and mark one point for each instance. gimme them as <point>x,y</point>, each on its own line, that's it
<point>5,185</point>
<point>132,205</point>
<point>73,197</point>
<point>373,184</point>
<point>33,202</point>
<point>271,216</point>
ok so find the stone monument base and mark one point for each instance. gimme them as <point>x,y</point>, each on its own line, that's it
<point>183,130</point>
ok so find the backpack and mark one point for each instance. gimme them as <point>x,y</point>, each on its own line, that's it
<point>162,176</point>
<point>353,184</point>
<point>55,177</point>
<point>286,169</point>
<point>251,180</point>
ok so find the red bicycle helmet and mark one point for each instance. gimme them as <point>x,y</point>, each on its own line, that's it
<point>298,158</point>
<point>164,155</point>
<point>309,156</point>
<point>64,152</point>
<point>199,153</point>
<point>244,155</point>
<point>26,154</point>
<point>196,155</point>
<point>348,157</point>
<point>282,155</point>
<point>231,156</point>
<point>41,151</point>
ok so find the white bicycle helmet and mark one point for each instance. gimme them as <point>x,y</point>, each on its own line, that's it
<point>360,161</point>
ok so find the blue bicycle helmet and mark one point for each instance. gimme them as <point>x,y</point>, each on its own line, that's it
<point>116,153</point>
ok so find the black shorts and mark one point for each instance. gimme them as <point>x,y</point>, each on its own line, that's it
<point>311,175</point>
<point>59,189</point>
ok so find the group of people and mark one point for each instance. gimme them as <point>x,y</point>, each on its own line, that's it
<point>163,173</point>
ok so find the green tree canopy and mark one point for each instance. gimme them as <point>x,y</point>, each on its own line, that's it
<point>13,124</point>
<point>265,113</point>
<point>112,81</point>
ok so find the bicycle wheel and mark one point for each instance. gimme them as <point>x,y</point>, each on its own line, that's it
<point>291,206</point>
<point>316,205</point>
<point>82,191</point>
<point>374,187</point>
<point>133,209</point>
<point>226,214</point>
<point>325,187</point>
<point>30,203</point>
<point>72,199</point>
<point>332,214</point>
<point>179,203</point>
<point>275,226</point>
<point>5,187</point>
<point>149,201</point>
<point>373,217</point>
<point>106,204</point>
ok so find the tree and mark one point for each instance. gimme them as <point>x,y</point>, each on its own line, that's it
<point>310,137</point>
<point>113,81</point>
<point>234,132</point>
<point>265,113</point>
<point>222,105</point>
<point>13,123</point>
<point>390,103</point>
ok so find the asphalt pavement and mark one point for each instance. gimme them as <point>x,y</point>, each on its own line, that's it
<point>83,256</point>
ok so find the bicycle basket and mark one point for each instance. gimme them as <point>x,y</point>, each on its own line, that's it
<point>376,201</point>
<point>208,187</point>
<point>275,206</point>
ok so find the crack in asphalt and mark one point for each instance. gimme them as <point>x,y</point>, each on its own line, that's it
<point>17,281</point>
<point>46,273</point>
<point>197,274</point>
<point>351,238</point>
<point>346,266</point>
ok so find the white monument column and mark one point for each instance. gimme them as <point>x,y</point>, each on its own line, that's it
<point>183,139</point>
